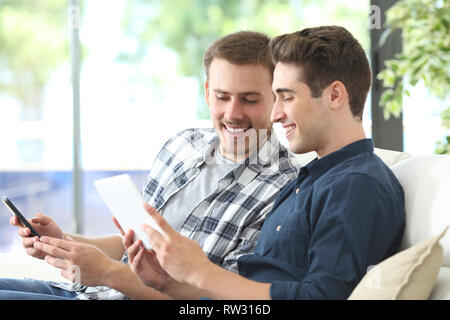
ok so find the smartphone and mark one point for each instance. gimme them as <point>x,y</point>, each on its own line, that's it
<point>19,216</point>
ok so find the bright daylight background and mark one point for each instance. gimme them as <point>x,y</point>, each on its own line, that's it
<point>141,82</point>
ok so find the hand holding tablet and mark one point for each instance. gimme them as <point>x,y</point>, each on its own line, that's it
<point>126,204</point>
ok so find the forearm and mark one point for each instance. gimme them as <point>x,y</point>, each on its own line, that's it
<point>122,279</point>
<point>222,284</point>
<point>184,291</point>
<point>111,245</point>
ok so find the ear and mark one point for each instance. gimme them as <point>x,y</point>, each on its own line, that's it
<point>206,93</point>
<point>337,94</point>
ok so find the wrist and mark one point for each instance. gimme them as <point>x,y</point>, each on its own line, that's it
<point>201,276</point>
<point>113,273</point>
<point>169,287</point>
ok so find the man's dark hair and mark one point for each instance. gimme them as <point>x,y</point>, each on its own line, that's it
<point>326,54</point>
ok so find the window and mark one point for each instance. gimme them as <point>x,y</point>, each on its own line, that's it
<point>35,112</point>
<point>422,121</point>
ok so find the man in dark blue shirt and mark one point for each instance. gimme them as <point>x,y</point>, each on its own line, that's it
<point>343,213</point>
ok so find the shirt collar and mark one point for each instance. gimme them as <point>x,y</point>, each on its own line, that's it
<point>268,155</point>
<point>265,157</point>
<point>318,167</point>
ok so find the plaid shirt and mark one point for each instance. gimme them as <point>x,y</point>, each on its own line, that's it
<point>227,223</point>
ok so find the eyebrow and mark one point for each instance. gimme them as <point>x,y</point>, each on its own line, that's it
<point>247,93</point>
<point>281,90</point>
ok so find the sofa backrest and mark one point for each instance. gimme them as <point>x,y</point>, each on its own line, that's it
<point>426,183</point>
<point>388,156</point>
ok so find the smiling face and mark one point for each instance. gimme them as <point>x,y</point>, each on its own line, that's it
<point>305,120</point>
<point>240,100</point>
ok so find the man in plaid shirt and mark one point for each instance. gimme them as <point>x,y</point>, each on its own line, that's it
<point>215,186</point>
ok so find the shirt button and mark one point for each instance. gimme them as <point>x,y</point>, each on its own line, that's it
<point>278,228</point>
<point>297,190</point>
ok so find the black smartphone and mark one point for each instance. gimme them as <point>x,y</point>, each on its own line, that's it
<point>19,216</point>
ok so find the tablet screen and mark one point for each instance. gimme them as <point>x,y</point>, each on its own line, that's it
<point>125,202</point>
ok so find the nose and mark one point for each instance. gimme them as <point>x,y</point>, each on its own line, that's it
<point>277,114</point>
<point>234,110</point>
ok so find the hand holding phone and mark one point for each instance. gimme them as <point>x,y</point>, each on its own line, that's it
<point>20,217</point>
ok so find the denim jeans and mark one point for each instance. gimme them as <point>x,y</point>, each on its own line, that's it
<point>28,289</point>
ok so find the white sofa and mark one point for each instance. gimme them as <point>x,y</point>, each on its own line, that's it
<point>426,182</point>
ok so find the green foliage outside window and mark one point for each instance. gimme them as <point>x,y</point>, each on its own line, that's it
<point>425,26</point>
<point>33,44</point>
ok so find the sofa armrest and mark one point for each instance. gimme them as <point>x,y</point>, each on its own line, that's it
<point>21,265</point>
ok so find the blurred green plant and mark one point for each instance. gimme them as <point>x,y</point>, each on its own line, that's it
<point>425,27</point>
<point>33,43</point>
<point>443,147</point>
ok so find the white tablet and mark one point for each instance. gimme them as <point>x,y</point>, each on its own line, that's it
<point>126,204</point>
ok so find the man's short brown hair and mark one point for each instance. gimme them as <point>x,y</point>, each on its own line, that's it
<point>243,47</point>
<point>326,54</point>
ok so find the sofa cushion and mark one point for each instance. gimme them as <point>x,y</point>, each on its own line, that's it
<point>408,275</point>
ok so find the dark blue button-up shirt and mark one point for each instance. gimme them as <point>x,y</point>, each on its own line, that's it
<point>343,213</point>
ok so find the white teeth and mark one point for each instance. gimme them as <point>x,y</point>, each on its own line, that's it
<point>235,130</point>
<point>290,127</point>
